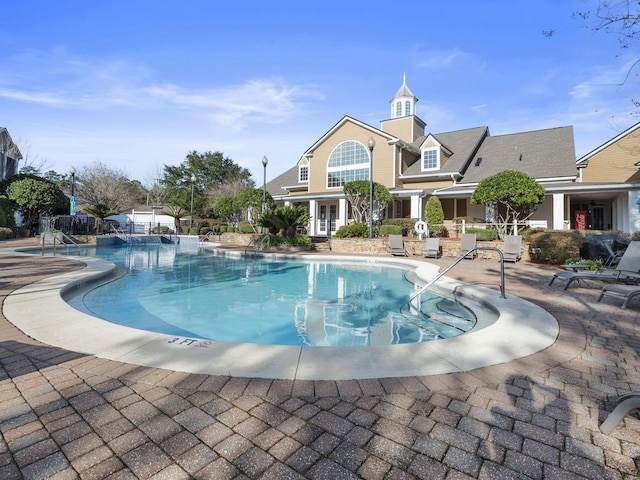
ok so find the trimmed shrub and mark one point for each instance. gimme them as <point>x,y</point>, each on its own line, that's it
<point>483,234</point>
<point>204,230</point>
<point>434,215</point>
<point>555,247</point>
<point>6,233</point>
<point>386,230</point>
<point>353,230</point>
<point>246,228</point>
<point>406,224</point>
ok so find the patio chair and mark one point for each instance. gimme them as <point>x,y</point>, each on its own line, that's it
<point>621,291</point>
<point>512,248</point>
<point>431,247</point>
<point>396,245</point>
<point>626,271</point>
<point>467,244</point>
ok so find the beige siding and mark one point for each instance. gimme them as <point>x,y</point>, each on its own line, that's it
<point>382,157</point>
<point>407,128</point>
<point>616,162</point>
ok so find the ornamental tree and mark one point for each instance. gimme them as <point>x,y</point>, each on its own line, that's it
<point>515,194</point>
<point>358,195</point>
<point>35,197</point>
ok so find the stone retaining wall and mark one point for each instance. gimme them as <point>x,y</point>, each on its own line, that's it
<point>380,245</point>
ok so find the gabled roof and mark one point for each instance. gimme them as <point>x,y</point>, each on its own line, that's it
<point>542,154</point>
<point>582,162</point>
<point>463,144</point>
<point>346,119</point>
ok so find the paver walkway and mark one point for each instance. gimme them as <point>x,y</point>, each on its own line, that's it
<point>65,415</point>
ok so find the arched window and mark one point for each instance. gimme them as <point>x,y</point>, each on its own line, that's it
<point>399,109</point>
<point>407,107</point>
<point>349,161</point>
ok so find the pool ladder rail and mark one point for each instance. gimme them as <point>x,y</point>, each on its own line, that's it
<point>415,305</point>
<point>57,237</point>
<point>258,243</point>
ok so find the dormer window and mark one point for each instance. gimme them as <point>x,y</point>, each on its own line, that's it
<point>431,159</point>
<point>303,173</point>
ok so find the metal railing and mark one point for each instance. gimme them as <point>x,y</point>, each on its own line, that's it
<point>457,261</point>
<point>56,236</point>
<point>257,242</point>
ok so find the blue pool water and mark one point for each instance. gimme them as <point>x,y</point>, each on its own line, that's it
<point>208,295</point>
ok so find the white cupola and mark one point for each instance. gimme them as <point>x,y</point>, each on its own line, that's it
<point>403,103</point>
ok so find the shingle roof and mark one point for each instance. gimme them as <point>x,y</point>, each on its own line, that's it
<point>463,143</point>
<point>286,179</point>
<point>542,154</point>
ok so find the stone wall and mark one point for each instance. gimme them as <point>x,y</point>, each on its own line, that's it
<point>380,245</point>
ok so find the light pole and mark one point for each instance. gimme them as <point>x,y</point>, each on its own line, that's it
<point>371,143</point>
<point>72,200</point>
<point>193,181</point>
<point>264,184</point>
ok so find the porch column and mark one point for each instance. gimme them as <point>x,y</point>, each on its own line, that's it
<point>313,223</point>
<point>558,211</point>
<point>343,213</point>
<point>416,206</point>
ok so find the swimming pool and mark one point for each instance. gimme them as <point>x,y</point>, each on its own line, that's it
<point>515,328</point>
<point>212,296</point>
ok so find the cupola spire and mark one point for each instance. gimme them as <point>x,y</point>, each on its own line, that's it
<point>403,103</point>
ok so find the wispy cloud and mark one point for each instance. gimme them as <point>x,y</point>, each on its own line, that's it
<point>439,59</point>
<point>64,81</point>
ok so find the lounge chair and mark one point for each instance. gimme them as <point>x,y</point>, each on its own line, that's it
<point>621,291</point>
<point>431,247</point>
<point>396,245</point>
<point>512,248</point>
<point>627,270</point>
<point>467,244</point>
<point>626,404</point>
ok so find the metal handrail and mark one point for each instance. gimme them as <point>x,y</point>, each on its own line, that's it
<point>55,237</point>
<point>258,242</point>
<point>458,260</point>
<point>209,234</point>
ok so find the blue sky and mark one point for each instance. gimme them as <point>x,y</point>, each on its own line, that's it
<point>139,84</point>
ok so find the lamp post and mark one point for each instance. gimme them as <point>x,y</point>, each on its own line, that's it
<point>371,143</point>
<point>193,181</point>
<point>264,184</point>
<point>72,200</point>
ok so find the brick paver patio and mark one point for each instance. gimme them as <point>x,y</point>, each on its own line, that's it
<point>65,415</point>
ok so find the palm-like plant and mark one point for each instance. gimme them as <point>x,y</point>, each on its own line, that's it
<point>285,220</point>
<point>177,213</point>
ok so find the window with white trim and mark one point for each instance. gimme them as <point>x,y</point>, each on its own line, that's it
<point>431,159</point>
<point>303,173</point>
<point>407,108</point>
<point>398,108</point>
<point>349,161</point>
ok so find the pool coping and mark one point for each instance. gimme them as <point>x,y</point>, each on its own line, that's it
<point>39,310</point>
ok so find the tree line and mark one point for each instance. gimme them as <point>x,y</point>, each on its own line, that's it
<point>211,183</point>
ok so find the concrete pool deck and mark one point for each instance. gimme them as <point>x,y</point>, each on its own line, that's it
<point>521,329</point>
<point>71,415</point>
